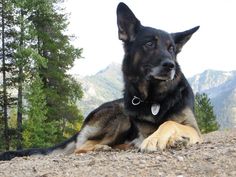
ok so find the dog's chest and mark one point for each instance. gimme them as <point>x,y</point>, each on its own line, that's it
<point>145,128</point>
<point>147,118</point>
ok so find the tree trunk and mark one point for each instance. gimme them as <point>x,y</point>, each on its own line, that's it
<point>5,117</point>
<point>19,112</point>
<point>20,80</point>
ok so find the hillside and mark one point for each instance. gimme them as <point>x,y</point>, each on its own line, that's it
<point>104,86</point>
<point>216,156</point>
<point>220,86</point>
<point>107,85</point>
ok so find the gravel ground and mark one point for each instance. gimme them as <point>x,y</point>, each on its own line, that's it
<point>216,156</point>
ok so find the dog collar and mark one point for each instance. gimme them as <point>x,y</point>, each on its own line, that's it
<point>155,108</point>
<point>136,101</point>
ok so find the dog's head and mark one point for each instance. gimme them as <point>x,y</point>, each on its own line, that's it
<point>150,53</point>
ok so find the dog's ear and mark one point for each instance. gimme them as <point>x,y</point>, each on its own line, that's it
<point>128,24</point>
<point>181,38</point>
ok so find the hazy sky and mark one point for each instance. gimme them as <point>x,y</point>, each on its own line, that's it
<point>212,47</point>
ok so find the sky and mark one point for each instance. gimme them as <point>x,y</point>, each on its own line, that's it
<point>213,46</point>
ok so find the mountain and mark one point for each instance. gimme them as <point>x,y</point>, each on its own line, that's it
<point>220,86</point>
<point>104,86</point>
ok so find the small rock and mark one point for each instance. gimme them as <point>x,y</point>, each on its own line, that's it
<point>34,170</point>
<point>142,161</point>
<point>158,158</point>
<point>180,158</point>
<point>92,162</point>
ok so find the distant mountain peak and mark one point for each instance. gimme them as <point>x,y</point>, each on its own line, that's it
<point>110,68</point>
<point>220,86</point>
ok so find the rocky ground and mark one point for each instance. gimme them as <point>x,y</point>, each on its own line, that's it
<point>216,156</point>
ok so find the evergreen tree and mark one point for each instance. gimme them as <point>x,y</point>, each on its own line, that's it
<point>14,61</point>
<point>20,82</point>
<point>60,89</point>
<point>8,69</point>
<point>204,112</point>
<point>37,132</point>
<point>36,54</point>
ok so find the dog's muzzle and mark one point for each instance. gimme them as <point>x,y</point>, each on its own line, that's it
<point>165,71</point>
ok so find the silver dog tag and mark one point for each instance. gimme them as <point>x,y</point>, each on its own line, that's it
<point>155,109</point>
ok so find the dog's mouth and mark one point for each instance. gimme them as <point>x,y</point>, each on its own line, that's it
<point>159,73</point>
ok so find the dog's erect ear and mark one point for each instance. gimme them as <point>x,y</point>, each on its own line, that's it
<point>181,38</point>
<point>128,24</point>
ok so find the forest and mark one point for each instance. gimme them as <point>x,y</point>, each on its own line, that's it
<point>37,95</point>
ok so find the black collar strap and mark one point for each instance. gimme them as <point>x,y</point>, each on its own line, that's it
<point>155,108</point>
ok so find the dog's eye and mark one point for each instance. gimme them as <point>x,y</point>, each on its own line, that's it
<point>150,44</point>
<point>171,49</point>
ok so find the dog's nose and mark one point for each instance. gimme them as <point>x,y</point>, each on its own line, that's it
<point>168,65</point>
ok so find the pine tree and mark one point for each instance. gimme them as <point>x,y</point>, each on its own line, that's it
<point>13,25</point>
<point>37,54</point>
<point>50,41</point>
<point>37,132</point>
<point>8,69</point>
<point>60,89</point>
<point>20,85</point>
<point>204,112</point>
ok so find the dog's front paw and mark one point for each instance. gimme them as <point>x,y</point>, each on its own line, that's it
<point>178,142</point>
<point>149,145</point>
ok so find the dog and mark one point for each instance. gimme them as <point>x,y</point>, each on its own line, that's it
<point>157,109</point>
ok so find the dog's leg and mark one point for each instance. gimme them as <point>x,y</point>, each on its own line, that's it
<point>92,145</point>
<point>122,146</point>
<point>87,146</point>
<point>168,134</point>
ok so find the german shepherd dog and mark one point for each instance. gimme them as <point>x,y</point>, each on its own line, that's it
<point>157,110</point>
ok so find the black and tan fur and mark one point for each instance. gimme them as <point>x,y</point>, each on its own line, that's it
<point>152,80</point>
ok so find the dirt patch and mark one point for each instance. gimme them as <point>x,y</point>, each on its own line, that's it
<point>216,156</point>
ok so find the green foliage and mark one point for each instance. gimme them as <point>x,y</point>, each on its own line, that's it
<point>40,53</point>
<point>204,112</point>
<point>7,67</point>
<point>12,119</point>
<point>37,132</point>
<point>60,89</point>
